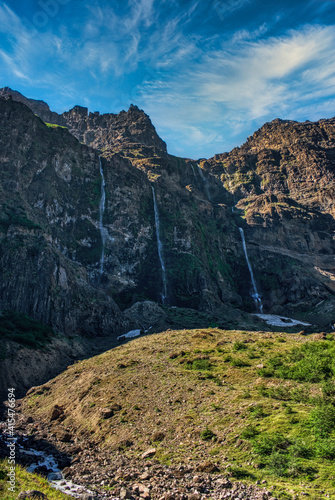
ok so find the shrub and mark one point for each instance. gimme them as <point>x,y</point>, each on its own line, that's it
<point>288,410</point>
<point>257,411</point>
<point>275,361</point>
<point>278,463</point>
<point>300,449</point>
<point>266,444</point>
<point>325,448</point>
<point>328,390</point>
<point>201,364</point>
<point>266,372</point>
<point>239,362</point>
<point>208,435</point>
<point>239,473</point>
<point>300,394</point>
<point>322,419</point>
<point>249,432</point>
<point>239,346</point>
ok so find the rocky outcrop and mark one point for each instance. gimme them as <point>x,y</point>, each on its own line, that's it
<point>113,131</point>
<point>103,132</point>
<point>283,157</point>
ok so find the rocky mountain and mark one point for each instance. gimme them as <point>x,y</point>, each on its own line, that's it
<point>283,180</point>
<point>85,250</point>
<point>103,132</point>
<point>102,231</point>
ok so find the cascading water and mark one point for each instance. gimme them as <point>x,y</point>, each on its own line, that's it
<point>38,459</point>
<point>205,181</point>
<point>160,248</point>
<point>255,295</point>
<point>103,231</point>
<point>193,171</point>
<point>201,173</point>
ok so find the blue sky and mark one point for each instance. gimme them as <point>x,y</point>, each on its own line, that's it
<point>209,73</point>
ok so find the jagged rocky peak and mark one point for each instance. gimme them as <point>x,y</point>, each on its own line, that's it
<point>283,156</point>
<point>101,131</point>
<point>288,133</point>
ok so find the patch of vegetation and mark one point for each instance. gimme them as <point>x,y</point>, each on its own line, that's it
<point>249,432</point>
<point>208,435</point>
<point>200,364</point>
<point>15,216</point>
<point>257,411</point>
<point>311,362</point>
<point>239,473</point>
<point>24,330</point>
<point>26,481</point>
<point>239,346</point>
<point>239,362</point>
<point>293,453</point>
<point>53,125</point>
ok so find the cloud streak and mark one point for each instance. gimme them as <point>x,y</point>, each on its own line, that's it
<point>247,81</point>
<point>203,89</point>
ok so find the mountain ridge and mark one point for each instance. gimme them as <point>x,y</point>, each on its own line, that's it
<point>51,240</point>
<point>132,126</point>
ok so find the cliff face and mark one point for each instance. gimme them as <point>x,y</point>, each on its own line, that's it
<point>51,241</point>
<point>283,181</point>
<point>278,187</point>
<point>49,213</point>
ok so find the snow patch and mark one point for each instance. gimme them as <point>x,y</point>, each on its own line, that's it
<point>274,320</point>
<point>129,335</point>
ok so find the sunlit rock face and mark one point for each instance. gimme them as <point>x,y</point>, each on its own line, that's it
<point>278,188</point>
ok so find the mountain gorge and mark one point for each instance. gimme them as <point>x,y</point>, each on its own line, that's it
<point>278,187</point>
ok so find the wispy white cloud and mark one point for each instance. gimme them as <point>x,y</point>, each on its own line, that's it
<point>246,81</point>
<point>198,88</point>
<point>226,7</point>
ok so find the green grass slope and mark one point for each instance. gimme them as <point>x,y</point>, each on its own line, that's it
<point>257,405</point>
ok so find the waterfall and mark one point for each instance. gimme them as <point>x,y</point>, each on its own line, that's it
<point>160,248</point>
<point>193,171</point>
<point>255,295</point>
<point>103,231</point>
<point>205,181</point>
<point>203,178</point>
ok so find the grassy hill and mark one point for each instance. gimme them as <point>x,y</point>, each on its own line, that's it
<point>254,406</point>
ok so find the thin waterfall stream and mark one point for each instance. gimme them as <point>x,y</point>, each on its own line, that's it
<point>193,171</point>
<point>255,295</point>
<point>160,247</point>
<point>205,181</point>
<point>103,231</point>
